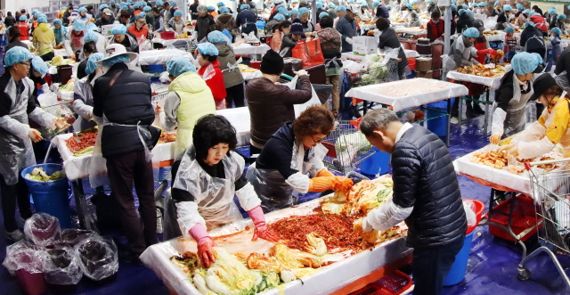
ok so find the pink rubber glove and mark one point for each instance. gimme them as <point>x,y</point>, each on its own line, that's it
<point>258,218</point>
<point>205,244</point>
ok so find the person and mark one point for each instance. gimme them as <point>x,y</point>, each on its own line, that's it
<point>9,20</point>
<point>209,177</point>
<point>511,43</point>
<point>330,46</point>
<point>233,79</point>
<point>504,17</point>
<point>290,40</point>
<point>561,22</point>
<point>562,69</point>
<point>551,17</point>
<point>304,14</point>
<point>426,195</point>
<point>24,28</point>
<point>139,29</point>
<point>532,39</point>
<point>270,104</point>
<point>120,36</point>
<point>205,23</point>
<point>17,108</point>
<point>555,43</point>
<point>537,10</point>
<point>347,28</point>
<point>76,39</point>
<point>83,92</point>
<point>60,34</point>
<point>158,24</point>
<point>14,38</point>
<point>388,41</point>
<point>291,161</point>
<point>513,95</point>
<point>43,39</point>
<point>272,25</point>
<point>84,15</point>
<point>435,26</point>
<point>552,127</point>
<point>382,10</point>
<point>465,20</point>
<point>194,9</point>
<point>39,75</point>
<point>246,19</point>
<point>226,23</point>
<point>210,71</point>
<point>106,18</point>
<point>122,102</point>
<point>176,23</point>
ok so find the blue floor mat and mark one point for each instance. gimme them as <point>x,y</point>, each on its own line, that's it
<point>492,263</point>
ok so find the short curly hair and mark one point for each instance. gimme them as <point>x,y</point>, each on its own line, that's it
<point>211,130</point>
<point>314,120</point>
<point>382,23</point>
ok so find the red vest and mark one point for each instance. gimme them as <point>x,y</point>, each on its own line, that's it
<point>24,30</point>
<point>435,30</point>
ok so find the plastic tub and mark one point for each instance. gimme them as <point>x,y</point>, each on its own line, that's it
<point>64,73</point>
<point>31,283</point>
<point>412,63</point>
<point>438,124</point>
<point>459,267</point>
<point>50,197</point>
<point>168,35</point>
<point>377,164</point>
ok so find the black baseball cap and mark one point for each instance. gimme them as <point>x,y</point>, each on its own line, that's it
<point>541,84</point>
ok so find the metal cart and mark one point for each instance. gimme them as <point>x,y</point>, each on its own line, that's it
<point>347,147</point>
<point>551,192</point>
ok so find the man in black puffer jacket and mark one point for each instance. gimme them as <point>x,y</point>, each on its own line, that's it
<point>123,98</point>
<point>426,196</point>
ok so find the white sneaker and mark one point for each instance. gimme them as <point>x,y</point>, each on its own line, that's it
<point>15,235</point>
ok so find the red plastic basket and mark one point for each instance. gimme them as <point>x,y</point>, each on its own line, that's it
<point>168,35</point>
<point>393,283</point>
<point>523,217</point>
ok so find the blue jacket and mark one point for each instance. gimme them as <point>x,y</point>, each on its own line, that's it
<point>347,29</point>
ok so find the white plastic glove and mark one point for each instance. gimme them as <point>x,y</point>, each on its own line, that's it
<point>302,73</point>
<point>497,126</point>
<point>533,132</point>
<point>533,149</point>
<point>164,77</point>
<point>348,40</point>
<point>386,216</point>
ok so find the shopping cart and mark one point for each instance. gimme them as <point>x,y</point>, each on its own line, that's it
<point>347,147</point>
<point>551,192</point>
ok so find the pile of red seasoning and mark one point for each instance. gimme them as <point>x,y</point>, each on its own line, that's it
<point>336,230</point>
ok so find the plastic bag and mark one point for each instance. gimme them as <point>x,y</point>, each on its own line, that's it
<point>98,258</point>
<point>98,164</point>
<point>61,266</point>
<point>71,236</point>
<point>42,229</point>
<point>309,52</point>
<point>24,255</point>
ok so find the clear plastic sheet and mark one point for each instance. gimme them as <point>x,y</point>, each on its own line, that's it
<point>61,266</point>
<point>98,257</point>
<point>405,94</point>
<point>247,49</point>
<point>72,236</point>
<point>42,229</point>
<point>152,57</point>
<point>24,255</point>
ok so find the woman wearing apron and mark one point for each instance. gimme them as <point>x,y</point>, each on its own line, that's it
<point>551,128</point>
<point>513,95</point>
<point>291,161</point>
<point>209,176</point>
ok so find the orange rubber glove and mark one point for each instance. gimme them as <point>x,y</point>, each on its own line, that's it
<point>341,183</point>
<point>324,172</point>
<point>321,184</point>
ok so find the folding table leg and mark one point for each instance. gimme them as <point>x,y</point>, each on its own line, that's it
<point>486,110</point>
<point>86,220</point>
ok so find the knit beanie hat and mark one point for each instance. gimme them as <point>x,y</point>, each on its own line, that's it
<point>272,63</point>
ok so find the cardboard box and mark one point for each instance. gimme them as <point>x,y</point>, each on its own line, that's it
<point>423,64</point>
<point>364,45</point>
<point>424,74</point>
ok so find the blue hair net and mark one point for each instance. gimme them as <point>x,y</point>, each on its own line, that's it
<point>283,10</point>
<point>295,11</point>
<point>23,18</point>
<point>363,3</point>
<point>35,12</point>
<point>42,18</point>
<point>91,65</point>
<point>103,6</point>
<point>179,65</point>
<point>224,10</point>
<point>465,11</point>
<point>78,25</point>
<point>119,30</point>
<point>90,37</point>
<point>124,6</point>
<point>221,4</point>
<point>526,11</point>
<point>375,3</point>
<point>92,27</point>
<point>551,10</point>
<point>82,10</point>
<point>319,4</point>
<point>39,65</point>
<point>208,48</point>
<point>520,6</point>
<point>332,6</point>
<point>279,17</point>
<point>496,3</point>
<point>147,9</point>
<point>529,23</point>
<point>244,6</point>
<point>159,3</point>
<point>218,37</point>
<point>524,62</point>
<point>179,13</point>
<point>556,31</point>
<point>57,21</point>
<point>303,11</point>
<point>16,55</point>
<point>471,33</point>
<point>142,15</point>
<point>115,60</point>
<point>323,14</point>
<point>562,16</point>
<point>507,8</point>
<point>341,8</point>
<point>173,3</point>
<point>509,29</point>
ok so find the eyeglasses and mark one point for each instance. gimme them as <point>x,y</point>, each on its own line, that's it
<point>26,63</point>
<point>316,139</point>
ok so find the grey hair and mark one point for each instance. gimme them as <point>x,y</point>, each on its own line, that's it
<point>202,8</point>
<point>377,120</point>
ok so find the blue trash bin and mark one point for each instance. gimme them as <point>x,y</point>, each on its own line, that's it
<point>459,267</point>
<point>438,124</point>
<point>50,197</point>
<point>377,164</point>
